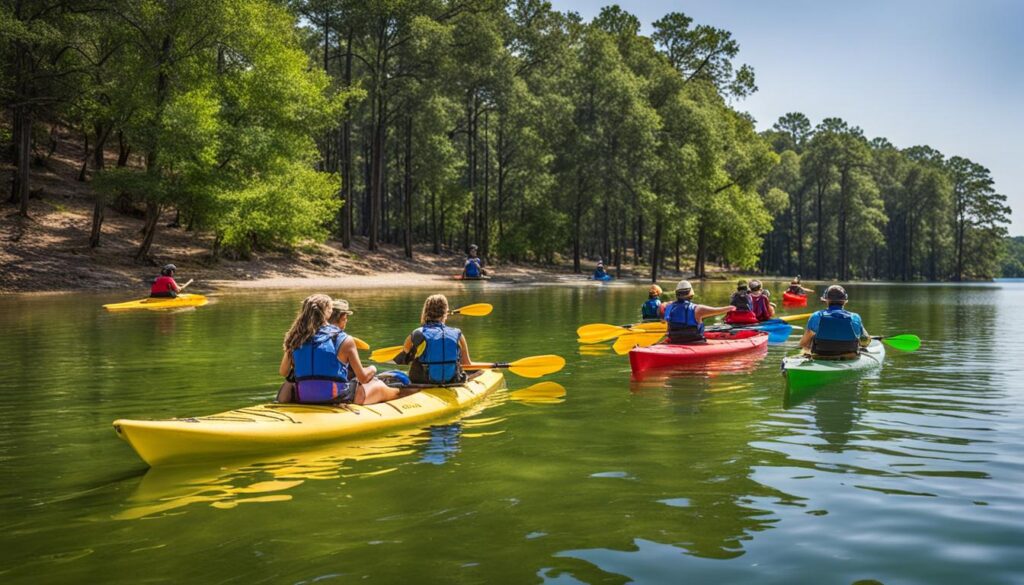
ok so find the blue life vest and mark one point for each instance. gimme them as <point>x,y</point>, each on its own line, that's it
<point>319,375</point>
<point>837,333</point>
<point>683,326</point>
<point>441,354</point>
<point>649,310</point>
<point>473,267</point>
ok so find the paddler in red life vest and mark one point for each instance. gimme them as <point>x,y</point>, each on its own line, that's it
<point>744,314</point>
<point>763,308</point>
<point>834,331</point>
<point>684,318</point>
<point>474,266</point>
<point>164,286</point>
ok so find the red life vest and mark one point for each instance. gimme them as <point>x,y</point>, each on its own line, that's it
<point>759,305</point>
<point>163,285</point>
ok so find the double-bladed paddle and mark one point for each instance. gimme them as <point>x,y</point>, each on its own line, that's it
<point>386,354</point>
<point>527,367</point>
<point>904,342</point>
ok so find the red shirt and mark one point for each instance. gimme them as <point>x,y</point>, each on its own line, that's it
<point>163,284</point>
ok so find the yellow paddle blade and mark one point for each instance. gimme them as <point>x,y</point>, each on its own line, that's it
<point>602,337</point>
<point>386,354</point>
<point>597,329</point>
<point>540,393</point>
<point>791,318</point>
<point>528,367</point>
<point>625,343</point>
<point>477,310</point>
<point>651,327</point>
<point>360,344</point>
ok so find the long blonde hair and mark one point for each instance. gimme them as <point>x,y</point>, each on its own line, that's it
<point>435,308</point>
<point>313,315</point>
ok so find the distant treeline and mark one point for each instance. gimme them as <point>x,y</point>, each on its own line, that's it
<point>527,131</point>
<point>1013,260</point>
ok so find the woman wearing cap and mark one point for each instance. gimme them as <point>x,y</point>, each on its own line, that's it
<point>473,268</point>
<point>685,318</point>
<point>164,286</point>
<point>649,310</point>
<point>436,352</point>
<point>324,358</point>
<point>834,331</point>
<point>763,309</point>
<point>744,314</point>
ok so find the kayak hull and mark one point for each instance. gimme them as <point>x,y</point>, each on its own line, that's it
<point>719,345</point>
<point>793,299</point>
<point>159,304</point>
<point>267,428</point>
<point>805,372</point>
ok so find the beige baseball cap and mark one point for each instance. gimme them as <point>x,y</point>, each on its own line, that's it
<point>341,305</point>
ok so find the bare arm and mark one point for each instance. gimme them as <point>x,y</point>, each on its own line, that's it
<point>807,339</point>
<point>286,364</point>
<point>702,312</point>
<point>349,354</point>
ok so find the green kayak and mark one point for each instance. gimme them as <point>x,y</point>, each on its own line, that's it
<point>805,372</point>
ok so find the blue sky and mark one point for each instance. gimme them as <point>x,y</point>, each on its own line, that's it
<point>945,73</point>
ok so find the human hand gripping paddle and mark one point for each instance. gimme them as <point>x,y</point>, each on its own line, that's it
<point>386,354</point>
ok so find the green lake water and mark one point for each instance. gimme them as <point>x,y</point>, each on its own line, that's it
<point>910,474</point>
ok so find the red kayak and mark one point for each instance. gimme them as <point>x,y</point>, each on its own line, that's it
<point>793,299</point>
<point>719,345</point>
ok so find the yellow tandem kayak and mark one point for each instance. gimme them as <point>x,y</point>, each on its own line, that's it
<point>158,304</point>
<point>268,428</point>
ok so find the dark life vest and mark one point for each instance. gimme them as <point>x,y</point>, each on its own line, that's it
<point>440,359</point>
<point>649,310</point>
<point>319,376</point>
<point>741,301</point>
<point>683,326</point>
<point>836,334</point>
<point>796,289</point>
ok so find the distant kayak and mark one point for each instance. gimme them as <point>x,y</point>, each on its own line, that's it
<point>159,304</point>
<point>794,299</point>
<point>804,371</point>
<point>719,344</point>
<point>604,278</point>
<point>268,428</point>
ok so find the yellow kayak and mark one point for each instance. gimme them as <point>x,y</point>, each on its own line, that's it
<point>274,427</point>
<point>157,304</point>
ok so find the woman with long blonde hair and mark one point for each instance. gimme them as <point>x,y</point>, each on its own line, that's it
<point>436,352</point>
<point>325,360</point>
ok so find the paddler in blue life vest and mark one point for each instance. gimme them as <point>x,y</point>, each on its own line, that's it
<point>474,266</point>
<point>435,352</point>
<point>599,272</point>
<point>744,313</point>
<point>762,307</point>
<point>324,359</point>
<point>685,318</point>
<point>834,331</point>
<point>649,310</point>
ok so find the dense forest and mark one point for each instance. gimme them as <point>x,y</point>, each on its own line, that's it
<point>531,132</point>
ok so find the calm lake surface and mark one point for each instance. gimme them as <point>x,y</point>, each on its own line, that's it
<point>912,474</point>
